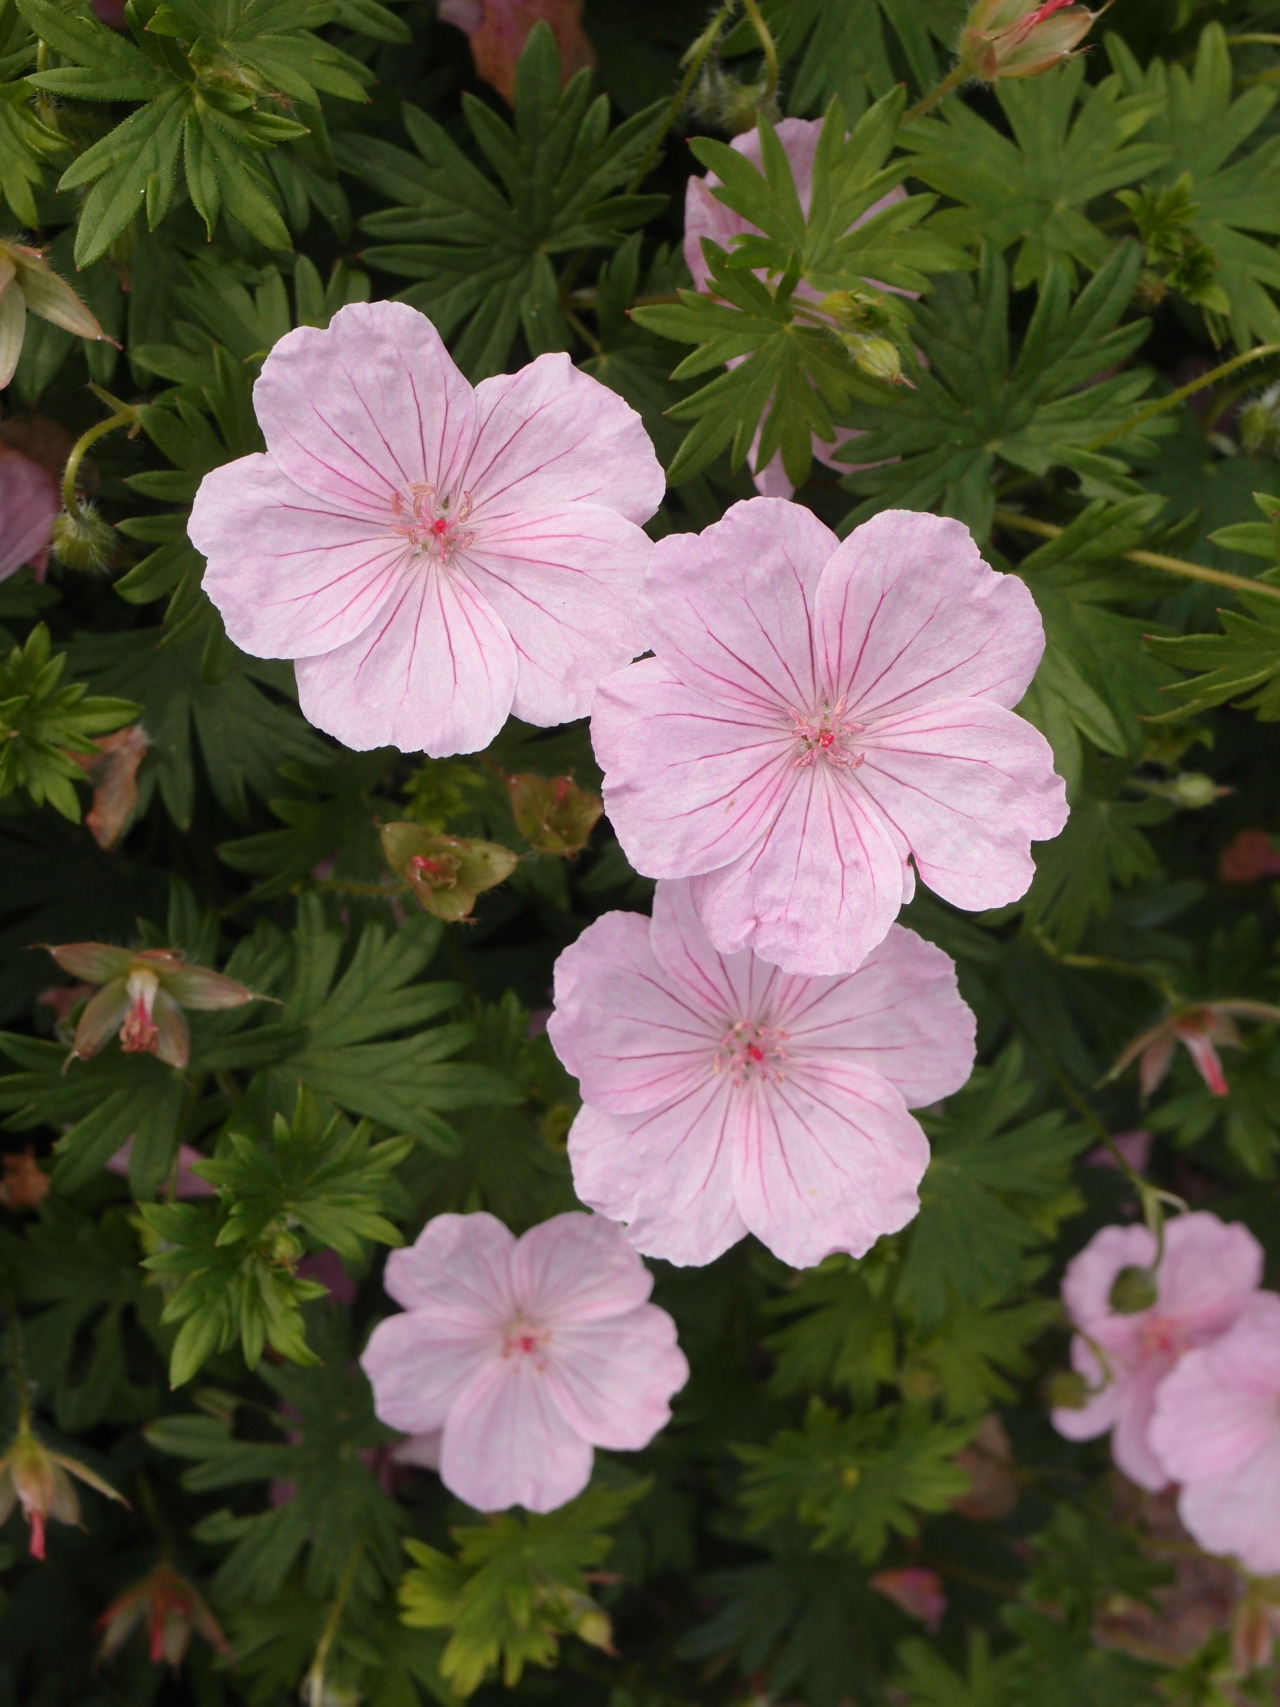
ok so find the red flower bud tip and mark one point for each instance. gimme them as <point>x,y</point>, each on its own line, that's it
<point>38,1480</point>
<point>1006,38</point>
<point>171,1608</point>
<point>1201,1028</point>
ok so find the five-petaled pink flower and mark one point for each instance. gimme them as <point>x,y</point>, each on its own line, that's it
<point>722,1096</point>
<point>1217,1431</point>
<point>1209,1272</point>
<point>433,556</point>
<point>818,715</point>
<point>29,506</point>
<point>705,216</point>
<point>525,1352</point>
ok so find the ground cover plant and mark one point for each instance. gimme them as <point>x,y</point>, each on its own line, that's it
<point>640,835</point>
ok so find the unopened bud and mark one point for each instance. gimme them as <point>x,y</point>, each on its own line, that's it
<point>1009,38</point>
<point>83,540</point>
<point>1193,789</point>
<point>445,873</point>
<point>1133,1290</point>
<point>1067,1391</point>
<point>284,1249</point>
<point>877,357</point>
<point>552,813</point>
<point>1260,423</point>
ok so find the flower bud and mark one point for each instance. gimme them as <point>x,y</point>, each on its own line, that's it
<point>83,540</point>
<point>1260,423</point>
<point>1193,789</point>
<point>1133,1290</point>
<point>171,1609</point>
<point>1009,38</point>
<point>877,357</point>
<point>445,873</point>
<point>39,1481</point>
<point>553,814</point>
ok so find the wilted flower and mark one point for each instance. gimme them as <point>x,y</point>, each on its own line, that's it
<point>1217,1431</point>
<point>552,813</point>
<point>445,873</point>
<point>1009,38</point>
<point>113,774</point>
<point>1255,1626</point>
<point>1209,1273</point>
<point>144,991</point>
<point>29,503</point>
<point>499,29</point>
<point>171,1609</point>
<point>993,1488</point>
<point>39,1481</point>
<point>722,1096</point>
<point>24,1184</point>
<point>434,556</point>
<point>917,1590</point>
<point>27,281</point>
<point>1200,1028</point>
<point>820,715</point>
<point>1249,857</point>
<point>525,1352</point>
<point>706,216</point>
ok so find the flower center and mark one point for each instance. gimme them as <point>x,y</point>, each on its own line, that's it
<point>139,1032</point>
<point>751,1053</point>
<point>827,734</point>
<point>437,527</point>
<point>525,1340</point>
<point>1160,1335</point>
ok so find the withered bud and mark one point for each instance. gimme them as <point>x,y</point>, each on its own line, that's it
<point>552,813</point>
<point>1009,38</point>
<point>445,873</point>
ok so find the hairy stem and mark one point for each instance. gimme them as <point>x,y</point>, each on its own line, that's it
<point>768,47</point>
<point>1184,391</point>
<point>1151,559</point>
<point>693,65</point>
<point>315,1690</point>
<point>126,416</point>
<point>939,92</point>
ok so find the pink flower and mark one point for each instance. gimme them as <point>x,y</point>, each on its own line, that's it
<point>1208,1274</point>
<point>525,1352</point>
<point>433,556</point>
<point>500,28</point>
<point>185,1182</point>
<point>704,216</point>
<point>29,505</point>
<point>724,1097</point>
<point>817,715</point>
<point>1217,1431</point>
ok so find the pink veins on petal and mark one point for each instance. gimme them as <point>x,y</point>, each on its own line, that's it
<point>722,1096</point>
<point>434,556</point>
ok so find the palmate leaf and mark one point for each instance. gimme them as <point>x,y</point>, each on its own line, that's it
<point>481,249</point>
<point>840,1335</point>
<point>1103,847</point>
<point>1242,664</point>
<point>1204,131</point>
<point>1071,144</point>
<point>214,77</point>
<point>975,403</point>
<point>25,145</point>
<point>854,1480</point>
<point>928,1681</point>
<point>993,1169</point>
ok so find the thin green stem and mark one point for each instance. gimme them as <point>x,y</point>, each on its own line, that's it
<point>316,1676</point>
<point>1173,398</point>
<point>124,417</point>
<point>588,337</point>
<point>18,1364</point>
<point>768,47</point>
<point>1259,40</point>
<point>696,57</point>
<point>939,92</point>
<point>1150,559</point>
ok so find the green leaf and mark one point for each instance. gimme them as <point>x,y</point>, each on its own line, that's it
<point>991,1168</point>
<point>1244,660</point>
<point>480,248</point>
<point>1071,143</point>
<point>515,1586</point>
<point>928,1681</point>
<point>974,404</point>
<point>854,1480</point>
<point>841,1336</point>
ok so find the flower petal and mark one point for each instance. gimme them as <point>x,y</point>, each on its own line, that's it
<point>551,435</point>
<point>908,613</point>
<point>1131,1436</point>
<point>729,609</point>
<point>1221,1405</point>
<point>458,1262</point>
<point>577,1268</point>
<point>899,1015</point>
<point>1210,1270</point>
<point>667,1174</point>
<point>366,408</point>
<point>506,1443</point>
<point>968,786</point>
<point>29,505</point>
<point>1236,1512</point>
<point>818,894</point>
<point>565,584</point>
<point>419,1363</point>
<point>632,1041</point>
<point>291,574</point>
<point>690,783</point>
<point>435,673</point>
<point>612,1380</point>
<point>825,1167</point>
